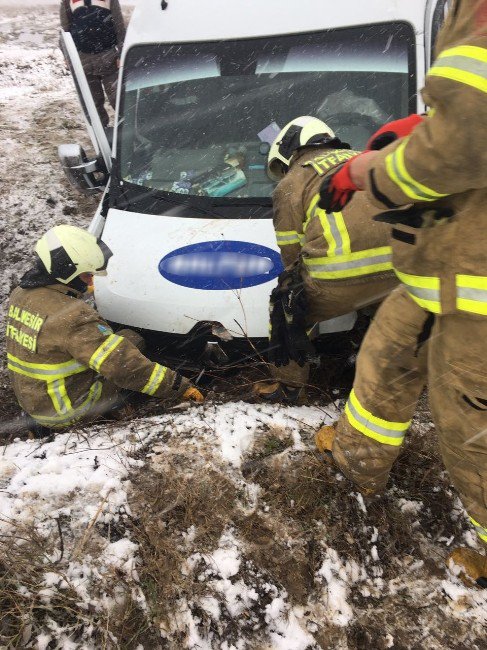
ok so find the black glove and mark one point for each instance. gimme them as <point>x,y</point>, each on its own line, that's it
<point>288,307</point>
<point>278,354</point>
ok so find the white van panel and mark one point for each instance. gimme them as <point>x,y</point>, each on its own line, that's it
<point>158,304</point>
<point>206,20</point>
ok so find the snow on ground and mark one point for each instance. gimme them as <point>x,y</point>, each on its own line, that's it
<point>83,480</point>
<point>79,483</point>
<point>286,557</point>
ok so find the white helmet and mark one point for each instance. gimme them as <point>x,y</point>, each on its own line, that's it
<point>68,251</point>
<point>302,131</point>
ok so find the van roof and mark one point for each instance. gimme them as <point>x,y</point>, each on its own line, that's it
<point>208,20</point>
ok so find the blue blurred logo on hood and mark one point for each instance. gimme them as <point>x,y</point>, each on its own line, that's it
<point>221,265</point>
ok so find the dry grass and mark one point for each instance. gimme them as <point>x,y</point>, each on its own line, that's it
<point>165,504</point>
<point>25,558</point>
<point>26,610</point>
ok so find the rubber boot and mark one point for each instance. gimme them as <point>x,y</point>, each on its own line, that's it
<point>277,392</point>
<point>472,565</point>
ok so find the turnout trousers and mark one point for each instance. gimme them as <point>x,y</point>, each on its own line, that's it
<point>393,366</point>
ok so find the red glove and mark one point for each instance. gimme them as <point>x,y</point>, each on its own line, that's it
<point>393,131</point>
<point>338,188</point>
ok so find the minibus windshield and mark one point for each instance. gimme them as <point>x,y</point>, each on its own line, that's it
<point>197,118</point>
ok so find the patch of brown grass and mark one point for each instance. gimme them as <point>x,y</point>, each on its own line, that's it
<point>166,503</point>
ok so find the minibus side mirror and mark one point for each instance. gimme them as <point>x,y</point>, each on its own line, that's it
<point>87,176</point>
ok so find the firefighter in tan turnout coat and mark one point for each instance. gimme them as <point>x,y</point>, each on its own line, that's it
<point>440,256</point>
<point>65,362</point>
<point>344,258</point>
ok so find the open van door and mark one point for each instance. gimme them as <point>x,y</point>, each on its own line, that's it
<point>436,11</point>
<point>86,175</point>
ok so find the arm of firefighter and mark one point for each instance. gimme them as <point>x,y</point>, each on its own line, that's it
<point>91,341</point>
<point>65,16</point>
<point>447,153</point>
<point>119,24</point>
<point>288,221</point>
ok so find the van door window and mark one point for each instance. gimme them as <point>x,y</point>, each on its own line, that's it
<point>195,117</point>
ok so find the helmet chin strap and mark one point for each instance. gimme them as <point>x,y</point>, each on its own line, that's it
<point>78,285</point>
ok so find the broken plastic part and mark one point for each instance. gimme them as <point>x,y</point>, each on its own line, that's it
<point>221,332</point>
<point>214,355</point>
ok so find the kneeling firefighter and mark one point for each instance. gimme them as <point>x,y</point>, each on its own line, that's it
<point>336,262</point>
<point>433,180</point>
<point>65,362</point>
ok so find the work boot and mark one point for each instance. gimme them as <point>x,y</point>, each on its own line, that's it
<point>324,441</point>
<point>277,392</point>
<point>472,565</point>
<point>324,438</point>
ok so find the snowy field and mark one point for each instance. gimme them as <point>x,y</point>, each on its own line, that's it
<point>212,527</point>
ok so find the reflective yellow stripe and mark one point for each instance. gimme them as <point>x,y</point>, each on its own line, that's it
<point>345,246</point>
<point>334,228</point>
<point>466,64</point>
<point>424,290</point>
<point>287,237</point>
<point>472,294</point>
<point>101,354</point>
<point>59,396</point>
<point>383,431</point>
<point>311,211</point>
<point>327,232</point>
<point>155,380</point>
<point>44,371</point>
<point>397,172</point>
<point>372,260</point>
<point>480,530</point>
<point>73,415</point>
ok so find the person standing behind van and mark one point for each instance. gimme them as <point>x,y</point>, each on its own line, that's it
<point>98,32</point>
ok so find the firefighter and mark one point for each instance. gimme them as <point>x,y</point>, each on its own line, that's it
<point>65,362</point>
<point>98,31</point>
<point>343,260</point>
<point>433,181</point>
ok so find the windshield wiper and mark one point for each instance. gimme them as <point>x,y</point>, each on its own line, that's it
<point>125,202</point>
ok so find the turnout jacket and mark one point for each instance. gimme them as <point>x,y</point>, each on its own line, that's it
<point>441,169</point>
<point>348,246</point>
<point>95,25</point>
<point>59,351</point>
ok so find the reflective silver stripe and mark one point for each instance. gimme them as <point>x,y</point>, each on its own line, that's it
<point>155,380</point>
<point>472,294</point>
<point>464,63</point>
<point>352,264</point>
<point>104,350</point>
<point>56,370</point>
<point>372,426</point>
<point>288,239</point>
<point>336,234</point>
<point>424,294</point>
